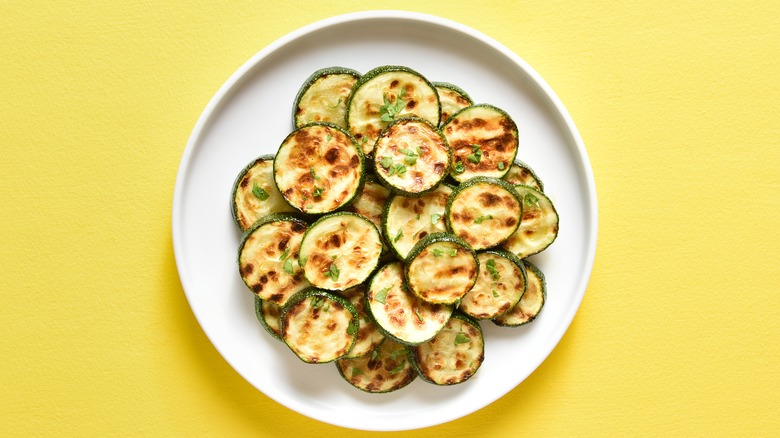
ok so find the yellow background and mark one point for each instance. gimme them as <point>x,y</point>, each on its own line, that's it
<point>677,102</point>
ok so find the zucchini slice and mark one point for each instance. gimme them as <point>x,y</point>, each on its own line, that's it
<point>407,220</point>
<point>385,94</point>
<point>484,211</point>
<point>319,168</point>
<point>323,96</point>
<point>255,194</point>
<point>453,355</point>
<point>340,250</point>
<point>269,315</point>
<point>268,257</point>
<point>411,157</point>
<point>521,173</point>
<point>501,284</point>
<point>539,226</point>
<point>368,337</point>
<point>452,99</point>
<point>370,203</point>
<point>399,314</point>
<point>484,142</point>
<point>386,369</point>
<point>319,326</point>
<point>532,302</point>
<point>441,268</point>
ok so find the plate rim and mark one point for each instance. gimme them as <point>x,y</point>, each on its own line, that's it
<point>236,79</point>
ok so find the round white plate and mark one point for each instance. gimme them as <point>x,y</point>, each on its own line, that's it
<point>251,114</point>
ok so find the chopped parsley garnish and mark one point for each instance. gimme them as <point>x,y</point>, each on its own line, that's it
<point>302,261</point>
<point>288,266</point>
<point>332,272</point>
<point>501,165</point>
<point>285,254</point>
<point>452,252</point>
<point>352,328</point>
<point>476,154</point>
<point>329,137</point>
<point>356,371</point>
<point>317,192</point>
<point>462,338</point>
<point>381,296</point>
<point>481,219</point>
<point>398,236</point>
<point>435,218</point>
<point>390,110</point>
<point>317,301</point>
<point>313,174</point>
<point>398,368</point>
<point>417,314</point>
<point>459,167</point>
<point>399,169</point>
<point>531,199</point>
<point>259,192</point>
<point>410,160</point>
<point>491,267</point>
<point>386,162</point>
<point>495,294</point>
<point>400,352</point>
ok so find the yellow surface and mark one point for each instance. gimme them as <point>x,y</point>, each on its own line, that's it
<point>677,102</point>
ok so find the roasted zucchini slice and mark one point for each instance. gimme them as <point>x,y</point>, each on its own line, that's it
<point>368,337</point>
<point>407,220</point>
<point>441,268</point>
<point>385,94</point>
<point>386,369</point>
<point>501,284</point>
<point>370,203</point>
<point>269,315</point>
<point>255,194</point>
<point>411,157</point>
<point>532,302</point>
<point>319,168</point>
<point>484,211</point>
<point>340,251</point>
<point>398,313</point>
<point>268,257</point>
<point>452,99</point>
<point>539,226</point>
<point>521,173</point>
<point>484,142</point>
<point>319,326</point>
<point>323,96</point>
<point>453,355</point>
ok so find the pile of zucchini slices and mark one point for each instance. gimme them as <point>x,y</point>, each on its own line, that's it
<point>392,220</point>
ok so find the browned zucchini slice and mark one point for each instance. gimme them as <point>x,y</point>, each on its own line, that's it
<point>500,285</point>
<point>255,194</point>
<point>452,99</point>
<point>539,226</point>
<point>407,220</point>
<point>269,315</point>
<point>532,302</point>
<point>386,369</point>
<point>453,355</point>
<point>323,96</point>
<point>521,173</point>
<point>368,337</point>
<point>441,268</point>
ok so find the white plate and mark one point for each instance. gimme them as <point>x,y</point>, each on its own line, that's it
<point>251,114</point>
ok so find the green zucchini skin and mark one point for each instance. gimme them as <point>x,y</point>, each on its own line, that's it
<point>532,302</point>
<point>520,173</point>
<point>486,131</point>
<point>439,276</point>
<point>319,326</point>
<point>319,168</point>
<point>401,226</point>
<point>381,87</point>
<point>268,257</point>
<point>245,206</point>
<point>419,149</point>
<point>490,218</point>
<point>313,103</point>
<point>539,225</point>
<point>340,251</point>
<point>388,368</point>
<point>368,336</point>
<point>452,99</point>
<point>398,313</point>
<point>269,315</point>
<point>454,355</point>
<point>500,285</point>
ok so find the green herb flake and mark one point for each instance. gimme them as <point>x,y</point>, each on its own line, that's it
<point>462,338</point>
<point>501,165</point>
<point>285,254</point>
<point>329,137</point>
<point>419,151</point>
<point>417,314</point>
<point>531,199</point>
<point>418,216</point>
<point>407,152</point>
<point>389,110</point>
<point>435,218</point>
<point>495,294</point>
<point>332,272</point>
<point>259,192</point>
<point>400,352</point>
<point>313,174</point>
<point>410,160</point>
<point>356,371</point>
<point>398,368</point>
<point>352,328</point>
<point>374,354</point>
<point>288,266</point>
<point>337,104</point>
<point>381,296</point>
<point>386,162</point>
<point>481,219</point>
<point>317,192</point>
<point>398,236</point>
<point>459,168</point>
<point>302,261</point>
<point>473,158</point>
<point>491,267</point>
<point>400,169</point>
<point>317,302</point>
<point>437,252</point>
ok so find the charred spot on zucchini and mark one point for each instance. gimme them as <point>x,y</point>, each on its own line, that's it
<point>483,140</point>
<point>441,268</point>
<point>539,226</point>
<point>269,315</point>
<point>532,302</point>
<point>453,355</point>
<point>323,96</point>
<point>319,168</point>
<point>452,99</point>
<point>407,220</point>
<point>255,194</point>
<point>387,368</point>
<point>268,257</point>
<point>484,211</point>
<point>521,173</point>
<point>319,326</point>
<point>385,94</point>
<point>368,337</point>
<point>500,285</point>
<point>340,251</point>
<point>411,157</point>
<point>398,313</point>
